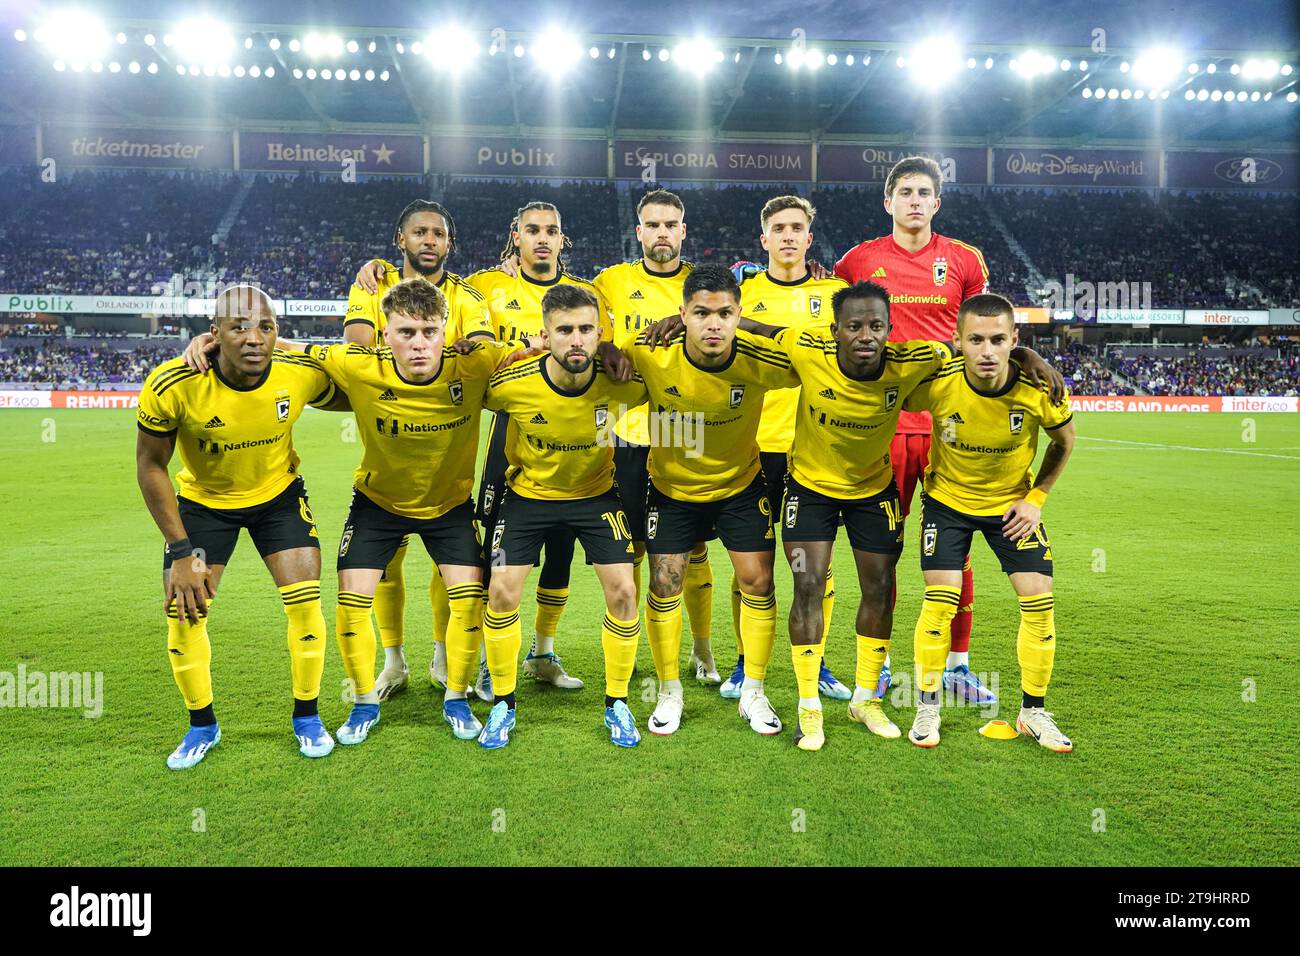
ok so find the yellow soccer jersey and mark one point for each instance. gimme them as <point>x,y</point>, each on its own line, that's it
<point>515,302</point>
<point>802,304</point>
<point>467,313</point>
<point>560,444</point>
<point>637,297</point>
<point>236,442</point>
<point>420,440</point>
<point>982,446</point>
<point>843,426</point>
<point>704,421</point>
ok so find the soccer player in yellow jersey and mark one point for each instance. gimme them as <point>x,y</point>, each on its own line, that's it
<point>234,426</point>
<point>639,294</point>
<point>426,237</point>
<point>706,393</point>
<point>786,295</point>
<point>987,413</point>
<point>561,474</point>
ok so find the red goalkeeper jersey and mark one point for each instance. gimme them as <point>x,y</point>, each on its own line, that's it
<point>925,288</point>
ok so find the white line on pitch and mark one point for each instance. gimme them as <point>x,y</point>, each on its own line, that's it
<point>1224,451</point>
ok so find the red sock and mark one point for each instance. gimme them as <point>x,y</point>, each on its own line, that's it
<point>961,623</point>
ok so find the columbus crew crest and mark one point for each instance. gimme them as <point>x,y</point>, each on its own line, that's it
<point>489,497</point>
<point>602,416</point>
<point>344,543</point>
<point>940,271</point>
<point>815,304</point>
<point>457,390</point>
<point>891,399</point>
<point>1016,418</point>
<point>929,537</point>
<point>651,523</point>
<point>282,409</point>
<point>737,395</point>
<point>791,510</point>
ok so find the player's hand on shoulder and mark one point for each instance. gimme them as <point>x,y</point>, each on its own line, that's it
<point>196,353</point>
<point>519,355</point>
<point>818,271</point>
<point>663,331</point>
<point>370,274</point>
<point>617,365</point>
<point>1020,520</point>
<point>1041,373</point>
<point>462,346</point>
<point>510,266</point>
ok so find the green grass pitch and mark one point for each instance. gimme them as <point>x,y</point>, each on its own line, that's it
<point>1176,609</point>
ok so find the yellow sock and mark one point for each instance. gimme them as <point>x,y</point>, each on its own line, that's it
<point>735,616</point>
<point>807,666</point>
<point>637,562</point>
<point>758,631</point>
<point>390,601</point>
<point>619,640</point>
<point>356,637</point>
<point>931,639</point>
<point>1036,643</point>
<point>872,652</point>
<point>828,604</point>
<point>504,638</point>
<point>464,632</point>
<point>307,637</point>
<point>550,605</point>
<point>441,605</point>
<point>663,627</point>
<point>190,654</point>
<point>697,595</point>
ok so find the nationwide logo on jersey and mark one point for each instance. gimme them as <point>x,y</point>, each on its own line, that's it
<point>1016,419</point>
<point>891,399</point>
<point>538,419</point>
<point>940,271</point>
<point>879,273</point>
<point>215,422</point>
<point>387,396</point>
<point>282,409</point>
<point>457,390</point>
<point>815,304</point>
<point>737,395</point>
<point>672,390</point>
<point>387,426</point>
<point>827,393</point>
<point>760,308</point>
<point>513,304</point>
<point>209,447</point>
<point>602,416</point>
<point>636,295</point>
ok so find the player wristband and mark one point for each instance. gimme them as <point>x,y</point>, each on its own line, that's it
<point>180,549</point>
<point>1036,497</point>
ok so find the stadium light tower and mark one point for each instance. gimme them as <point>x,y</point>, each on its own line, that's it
<point>1031,63</point>
<point>204,41</point>
<point>935,61</point>
<point>74,35</point>
<point>1158,67</point>
<point>450,48</point>
<point>557,49</point>
<point>698,56</point>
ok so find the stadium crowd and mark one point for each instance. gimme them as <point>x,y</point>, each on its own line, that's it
<point>1202,373</point>
<point>51,362</point>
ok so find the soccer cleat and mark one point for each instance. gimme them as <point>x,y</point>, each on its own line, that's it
<point>829,685</point>
<point>438,672</point>
<point>547,667</point>
<point>925,726</point>
<point>313,739</point>
<point>731,688</point>
<point>194,746</point>
<point>756,709</point>
<point>1038,723</point>
<point>622,725</point>
<point>810,735</point>
<point>964,685</point>
<point>464,725</point>
<point>667,716</point>
<point>706,672</point>
<point>392,681</point>
<point>496,732</point>
<point>882,685</point>
<point>483,686</point>
<point>357,727</point>
<point>871,713</point>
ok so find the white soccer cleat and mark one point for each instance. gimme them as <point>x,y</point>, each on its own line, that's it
<point>438,667</point>
<point>392,681</point>
<point>756,709</point>
<point>1039,724</point>
<point>706,672</point>
<point>667,716</point>
<point>925,726</point>
<point>547,668</point>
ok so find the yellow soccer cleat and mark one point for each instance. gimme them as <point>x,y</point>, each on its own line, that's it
<point>872,714</point>
<point>810,735</point>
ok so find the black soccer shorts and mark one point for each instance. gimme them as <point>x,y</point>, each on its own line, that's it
<point>524,523</point>
<point>632,478</point>
<point>775,465</point>
<point>743,521</point>
<point>946,538</point>
<point>873,524</point>
<point>281,524</point>
<point>372,535</point>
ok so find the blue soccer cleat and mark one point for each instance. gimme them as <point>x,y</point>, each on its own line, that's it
<point>622,725</point>
<point>464,725</point>
<point>194,746</point>
<point>883,684</point>
<point>829,685</point>
<point>313,739</point>
<point>496,733</point>
<point>730,688</point>
<point>359,723</point>
<point>960,682</point>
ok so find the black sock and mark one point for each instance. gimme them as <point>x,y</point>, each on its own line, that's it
<point>304,708</point>
<point>508,698</point>
<point>203,717</point>
<point>609,701</point>
<point>929,697</point>
<point>740,660</point>
<point>1029,700</point>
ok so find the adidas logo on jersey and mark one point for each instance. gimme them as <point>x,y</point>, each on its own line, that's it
<point>956,419</point>
<point>879,273</point>
<point>636,295</point>
<point>827,393</point>
<point>538,419</point>
<point>513,304</point>
<point>672,390</point>
<point>759,308</point>
<point>216,422</point>
<point>387,396</point>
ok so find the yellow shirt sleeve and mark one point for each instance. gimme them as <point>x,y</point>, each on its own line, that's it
<point>160,414</point>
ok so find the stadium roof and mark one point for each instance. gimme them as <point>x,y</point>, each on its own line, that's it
<point>1040,82</point>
